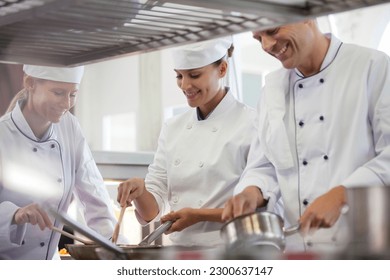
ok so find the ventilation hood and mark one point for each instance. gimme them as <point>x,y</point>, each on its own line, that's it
<point>74,32</point>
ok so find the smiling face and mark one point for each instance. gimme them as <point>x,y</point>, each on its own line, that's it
<point>203,86</point>
<point>293,44</point>
<point>50,100</point>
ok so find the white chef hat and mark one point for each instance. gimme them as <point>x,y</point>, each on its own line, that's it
<point>200,54</point>
<point>58,74</point>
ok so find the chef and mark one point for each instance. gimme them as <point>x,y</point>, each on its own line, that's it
<point>44,163</point>
<point>323,126</point>
<point>201,153</point>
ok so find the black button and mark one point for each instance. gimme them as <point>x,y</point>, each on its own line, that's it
<point>326,157</point>
<point>59,180</point>
<point>300,86</point>
<point>53,146</point>
<point>322,81</point>
<point>304,162</point>
<point>334,239</point>
<point>23,242</point>
<point>301,123</point>
<point>321,118</point>
<point>35,149</point>
<point>42,244</point>
<point>309,243</point>
<point>305,202</point>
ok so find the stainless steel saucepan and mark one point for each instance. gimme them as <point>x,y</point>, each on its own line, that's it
<point>257,229</point>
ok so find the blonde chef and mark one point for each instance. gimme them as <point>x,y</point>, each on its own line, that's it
<point>44,162</point>
<point>201,153</point>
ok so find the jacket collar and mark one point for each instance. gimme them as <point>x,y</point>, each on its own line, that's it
<point>225,103</point>
<point>331,54</point>
<point>22,125</point>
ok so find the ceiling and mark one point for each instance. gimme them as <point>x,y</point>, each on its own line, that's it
<point>74,32</point>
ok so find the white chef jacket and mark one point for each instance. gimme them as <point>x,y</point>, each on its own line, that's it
<point>317,132</point>
<point>198,163</point>
<point>49,172</point>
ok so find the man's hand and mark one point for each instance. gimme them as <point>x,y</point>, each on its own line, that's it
<point>243,203</point>
<point>324,211</point>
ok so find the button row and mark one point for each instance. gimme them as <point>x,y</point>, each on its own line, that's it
<point>305,162</point>
<point>42,244</point>
<point>178,161</point>
<point>51,146</point>
<point>320,80</point>
<point>301,122</point>
<point>213,129</point>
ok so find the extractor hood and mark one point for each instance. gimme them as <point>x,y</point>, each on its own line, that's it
<point>74,32</point>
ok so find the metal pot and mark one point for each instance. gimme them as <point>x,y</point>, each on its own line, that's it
<point>260,229</point>
<point>368,216</point>
<point>256,229</point>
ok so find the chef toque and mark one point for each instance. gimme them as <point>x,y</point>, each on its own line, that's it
<point>200,54</point>
<point>63,74</point>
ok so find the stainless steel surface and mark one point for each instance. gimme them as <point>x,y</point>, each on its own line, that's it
<point>263,228</point>
<point>74,32</point>
<point>156,233</point>
<point>122,165</point>
<point>368,216</point>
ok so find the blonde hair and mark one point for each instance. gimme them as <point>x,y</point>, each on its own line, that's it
<point>21,95</point>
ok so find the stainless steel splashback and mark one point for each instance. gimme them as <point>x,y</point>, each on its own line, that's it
<point>121,166</point>
<point>74,32</point>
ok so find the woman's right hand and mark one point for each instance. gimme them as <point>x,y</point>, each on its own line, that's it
<point>130,190</point>
<point>34,215</point>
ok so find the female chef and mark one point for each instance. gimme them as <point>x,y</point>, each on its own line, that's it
<point>201,153</point>
<point>44,161</point>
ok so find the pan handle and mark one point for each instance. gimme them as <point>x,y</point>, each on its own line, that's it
<point>291,230</point>
<point>156,233</point>
<point>271,202</point>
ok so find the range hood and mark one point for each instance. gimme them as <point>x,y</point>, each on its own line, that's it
<point>74,32</point>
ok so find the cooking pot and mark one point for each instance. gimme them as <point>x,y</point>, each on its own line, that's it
<point>257,229</point>
<point>368,217</point>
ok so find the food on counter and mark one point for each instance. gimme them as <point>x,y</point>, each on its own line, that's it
<point>63,251</point>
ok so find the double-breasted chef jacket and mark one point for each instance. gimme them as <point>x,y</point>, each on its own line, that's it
<point>198,163</point>
<point>318,132</point>
<point>47,171</point>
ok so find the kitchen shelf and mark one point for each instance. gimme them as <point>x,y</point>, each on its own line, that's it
<point>75,32</point>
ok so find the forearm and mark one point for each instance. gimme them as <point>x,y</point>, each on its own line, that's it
<point>146,206</point>
<point>208,215</point>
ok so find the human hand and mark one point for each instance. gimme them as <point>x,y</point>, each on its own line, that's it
<point>182,219</point>
<point>324,211</point>
<point>34,215</point>
<point>243,203</point>
<point>130,190</point>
